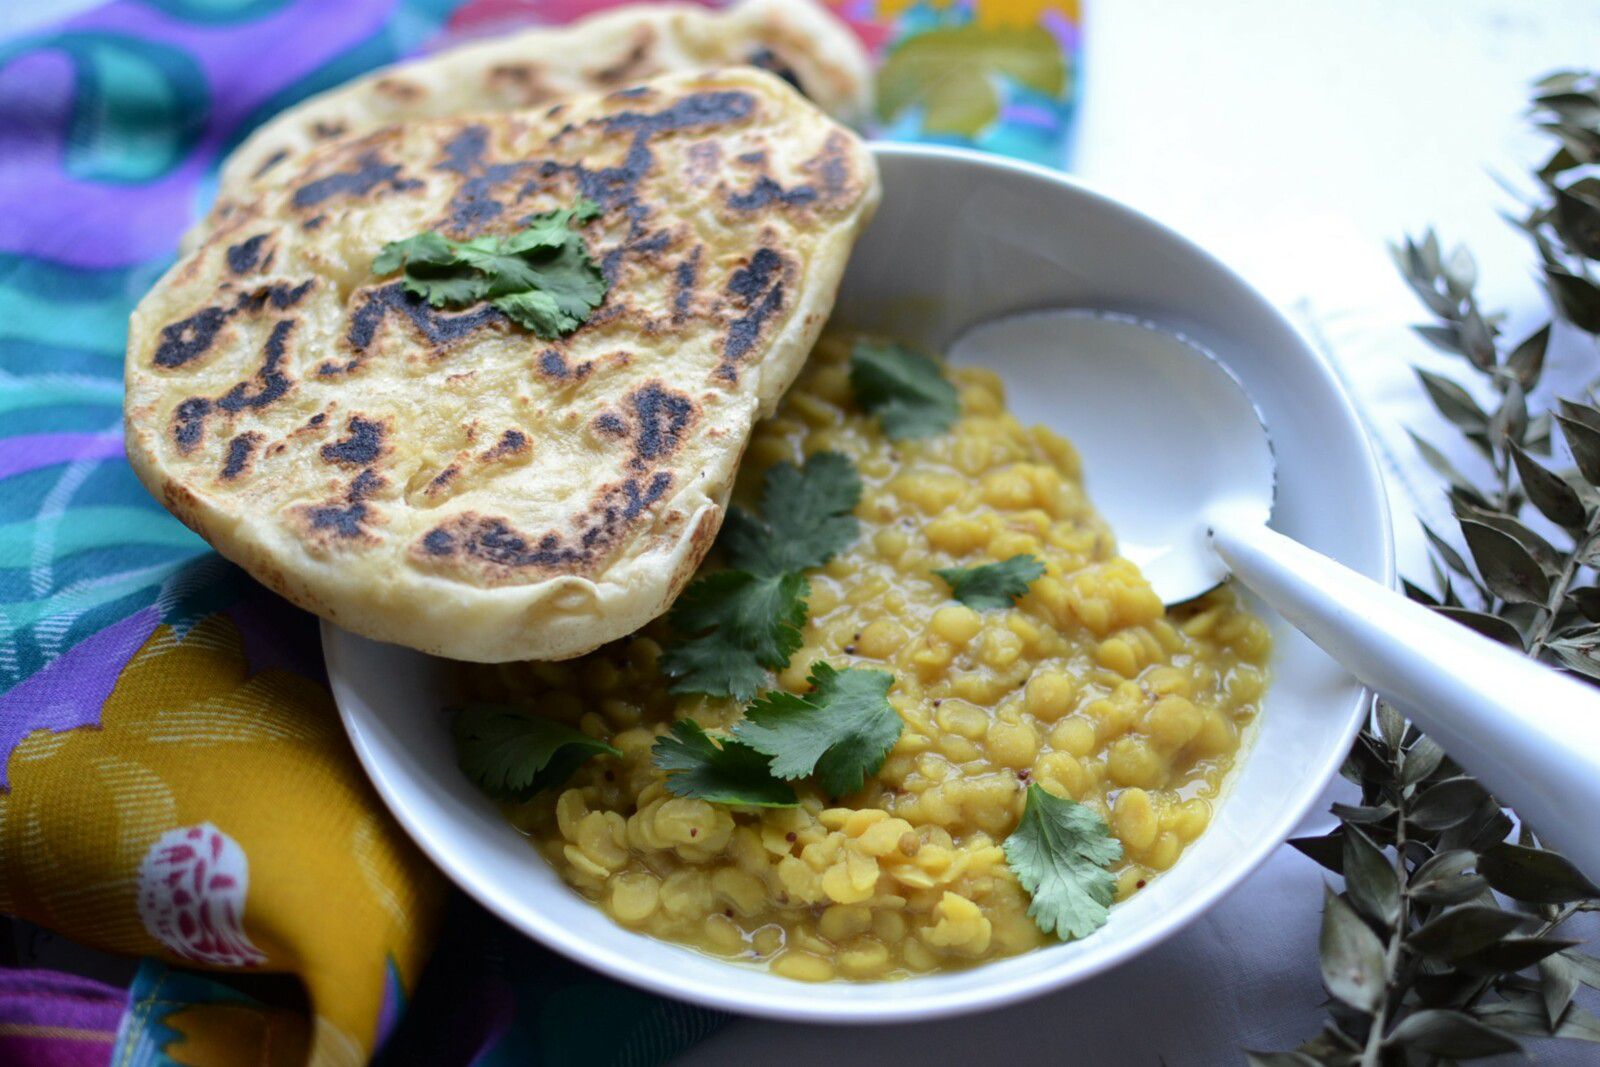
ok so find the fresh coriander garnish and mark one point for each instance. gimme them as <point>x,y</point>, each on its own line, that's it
<point>723,771</point>
<point>805,517</point>
<point>992,586</point>
<point>743,624</point>
<point>1060,852</point>
<point>840,731</point>
<point>512,756</point>
<point>542,277</point>
<point>907,391</point>
<point>744,621</point>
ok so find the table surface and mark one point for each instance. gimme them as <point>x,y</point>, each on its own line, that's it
<point>1293,140</point>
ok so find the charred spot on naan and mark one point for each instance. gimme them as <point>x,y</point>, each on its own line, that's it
<point>378,306</point>
<point>365,443</point>
<point>482,182</point>
<point>431,484</point>
<point>244,257</point>
<point>755,298</point>
<point>269,384</point>
<point>267,164</point>
<point>182,342</point>
<point>347,520</point>
<point>491,551</point>
<point>358,170</point>
<point>636,62</point>
<point>517,84</point>
<point>656,421</point>
<point>836,171</point>
<point>768,60</point>
<point>241,455</point>
<point>399,89</point>
<point>512,445</point>
<point>554,366</point>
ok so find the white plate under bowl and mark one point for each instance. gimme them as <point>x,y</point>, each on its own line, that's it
<point>962,237</point>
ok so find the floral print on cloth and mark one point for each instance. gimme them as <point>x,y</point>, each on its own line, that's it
<point>173,780</point>
<point>205,781</point>
<point>192,888</point>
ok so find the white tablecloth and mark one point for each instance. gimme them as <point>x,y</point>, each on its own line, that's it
<point>1292,139</point>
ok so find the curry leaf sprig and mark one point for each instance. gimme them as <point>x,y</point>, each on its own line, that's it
<point>542,277</point>
<point>1448,940</point>
<point>1423,962</point>
<point>742,622</point>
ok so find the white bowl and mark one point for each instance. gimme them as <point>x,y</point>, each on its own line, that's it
<point>962,237</point>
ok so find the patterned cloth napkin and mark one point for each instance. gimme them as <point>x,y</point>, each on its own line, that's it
<point>174,782</point>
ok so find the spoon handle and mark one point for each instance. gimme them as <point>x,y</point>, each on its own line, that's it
<point>1531,734</point>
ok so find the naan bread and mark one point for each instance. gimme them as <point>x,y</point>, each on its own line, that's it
<point>797,39</point>
<point>449,481</point>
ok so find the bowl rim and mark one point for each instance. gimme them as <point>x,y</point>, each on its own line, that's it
<point>799,1006</point>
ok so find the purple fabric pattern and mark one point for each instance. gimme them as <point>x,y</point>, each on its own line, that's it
<point>57,1020</point>
<point>241,64</point>
<point>31,451</point>
<point>69,692</point>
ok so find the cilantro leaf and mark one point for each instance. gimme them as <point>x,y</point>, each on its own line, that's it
<point>424,248</point>
<point>551,229</point>
<point>563,291</point>
<point>806,517</point>
<point>505,272</point>
<point>542,277</point>
<point>741,622</point>
<point>992,585</point>
<point>739,625</point>
<point>445,286</point>
<point>906,390</point>
<point>1060,852</point>
<point>841,732</point>
<point>512,756</point>
<point>727,773</point>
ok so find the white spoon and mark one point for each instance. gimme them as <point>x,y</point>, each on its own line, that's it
<point>1181,466</point>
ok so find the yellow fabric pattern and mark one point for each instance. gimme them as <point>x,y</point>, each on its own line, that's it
<point>251,771</point>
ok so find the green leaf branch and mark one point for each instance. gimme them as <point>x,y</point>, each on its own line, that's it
<point>1446,942</point>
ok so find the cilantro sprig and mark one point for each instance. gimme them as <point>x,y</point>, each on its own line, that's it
<point>512,756</point>
<point>1061,852</point>
<point>992,586</point>
<point>840,731</point>
<point>805,517</point>
<point>907,391</point>
<point>542,277</point>
<point>742,622</point>
<point>722,770</point>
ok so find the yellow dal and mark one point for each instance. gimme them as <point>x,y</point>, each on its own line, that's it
<point>1088,687</point>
